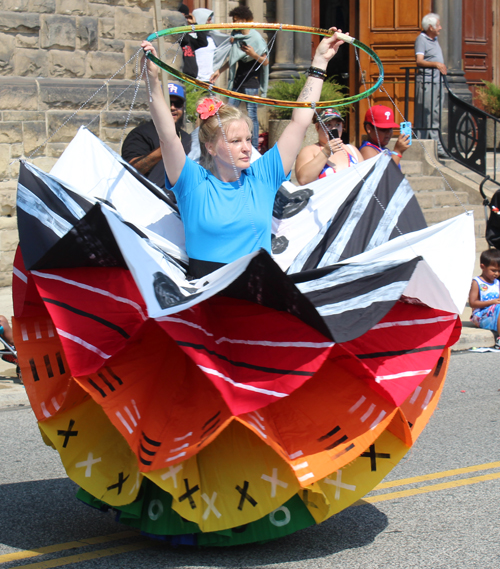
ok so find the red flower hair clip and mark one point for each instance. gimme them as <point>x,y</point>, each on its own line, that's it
<point>208,107</point>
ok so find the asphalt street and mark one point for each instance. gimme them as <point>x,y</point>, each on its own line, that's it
<point>439,508</point>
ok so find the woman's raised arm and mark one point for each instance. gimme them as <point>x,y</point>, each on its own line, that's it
<point>172,151</point>
<point>291,140</point>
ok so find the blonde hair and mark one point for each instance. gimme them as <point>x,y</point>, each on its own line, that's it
<point>210,130</point>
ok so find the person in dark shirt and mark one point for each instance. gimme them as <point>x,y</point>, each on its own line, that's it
<point>141,147</point>
<point>189,44</point>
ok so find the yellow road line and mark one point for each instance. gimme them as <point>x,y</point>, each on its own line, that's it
<point>436,475</point>
<point>79,558</point>
<point>68,545</point>
<point>433,488</point>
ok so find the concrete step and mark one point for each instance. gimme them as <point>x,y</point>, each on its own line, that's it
<point>425,183</point>
<point>437,215</point>
<point>411,167</point>
<point>440,198</point>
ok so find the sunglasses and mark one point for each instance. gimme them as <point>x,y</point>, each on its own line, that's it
<point>177,103</point>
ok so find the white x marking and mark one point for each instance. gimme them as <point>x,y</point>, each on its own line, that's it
<point>88,463</point>
<point>274,482</point>
<point>339,485</point>
<point>211,507</point>
<point>172,473</point>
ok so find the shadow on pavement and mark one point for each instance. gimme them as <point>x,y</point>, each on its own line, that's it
<point>46,512</point>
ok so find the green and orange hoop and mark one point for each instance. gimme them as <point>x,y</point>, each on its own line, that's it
<point>264,100</point>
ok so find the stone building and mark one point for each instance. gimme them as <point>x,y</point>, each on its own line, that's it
<point>56,55</point>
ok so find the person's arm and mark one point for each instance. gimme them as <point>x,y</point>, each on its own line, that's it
<point>474,301</point>
<point>290,141</point>
<point>216,74</point>
<point>368,152</point>
<point>421,62</point>
<point>249,50</point>
<point>147,162</point>
<point>401,146</point>
<point>171,147</point>
<point>311,160</point>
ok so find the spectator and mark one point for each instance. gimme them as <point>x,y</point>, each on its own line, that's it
<point>205,55</point>
<point>328,155</point>
<point>189,44</point>
<point>379,126</point>
<point>484,296</point>
<point>141,148</point>
<point>428,91</point>
<point>248,65</point>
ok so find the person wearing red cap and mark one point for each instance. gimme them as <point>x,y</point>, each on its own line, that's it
<point>329,155</point>
<point>379,126</point>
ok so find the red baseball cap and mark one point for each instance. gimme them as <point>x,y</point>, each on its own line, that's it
<point>381,117</point>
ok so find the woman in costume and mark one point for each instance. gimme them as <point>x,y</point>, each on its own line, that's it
<point>226,204</point>
<point>329,155</point>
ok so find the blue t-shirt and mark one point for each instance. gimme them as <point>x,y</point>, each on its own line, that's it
<point>223,221</point>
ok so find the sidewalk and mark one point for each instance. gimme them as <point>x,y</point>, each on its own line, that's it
<point>13,394</point>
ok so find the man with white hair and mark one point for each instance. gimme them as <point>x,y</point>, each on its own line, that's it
<point>428,91</point>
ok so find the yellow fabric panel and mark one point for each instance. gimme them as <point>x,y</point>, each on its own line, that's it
<point>94,454</point>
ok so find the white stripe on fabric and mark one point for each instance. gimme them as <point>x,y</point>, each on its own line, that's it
<point>186,445</point>
<point>366,194</point>
<point>180,455</point>
<point>264,436</point>
<point>393,210</point>
<point>57,188</point>
<point>347,274</point>
<point>267,343</point>
<point>358,403</point>
<point>368,413</point>
<point>34,206</point>
<point>415,395</point>
<point>306,477</point>
<point>427,399</point>
<point>416,322</point>
<point>295,455</point>
<point>131,417</point>
<point>124,423</point>
<point>20,275</point>
<point>92,289</point>
<point>377,420</point>
<point>186,322</point>
<point>183,437</point>
<point>242,385</point>
<point>300,466</point>
<point>390,292</point>
<point>82,343</point>
<point>380,378</point>
<point>319,345</point>
<point>44,410</point>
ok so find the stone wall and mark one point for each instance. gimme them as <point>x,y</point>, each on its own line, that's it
<point>54,56</point>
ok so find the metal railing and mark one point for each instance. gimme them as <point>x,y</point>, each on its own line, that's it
<point>471,132</point>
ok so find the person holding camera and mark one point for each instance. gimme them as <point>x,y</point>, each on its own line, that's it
<point>248,65</point>
<point>329,155</point>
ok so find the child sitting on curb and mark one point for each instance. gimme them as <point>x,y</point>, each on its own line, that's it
<point>484,295</point>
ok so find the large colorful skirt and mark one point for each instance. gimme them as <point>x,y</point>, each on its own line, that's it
<point>255,401</point>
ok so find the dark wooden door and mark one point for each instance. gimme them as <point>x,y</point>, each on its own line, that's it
<point>477,42</point>
<point>390,28</point>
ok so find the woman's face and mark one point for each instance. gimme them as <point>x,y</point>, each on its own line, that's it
<point>238,146</point>
<point>331,124</point>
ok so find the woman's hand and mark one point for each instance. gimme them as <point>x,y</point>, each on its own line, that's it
<point>328,47</point>
<point>335,145</point>
<point>152,69</point>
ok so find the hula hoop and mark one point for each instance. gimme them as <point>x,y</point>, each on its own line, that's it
<point>264,100</point>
